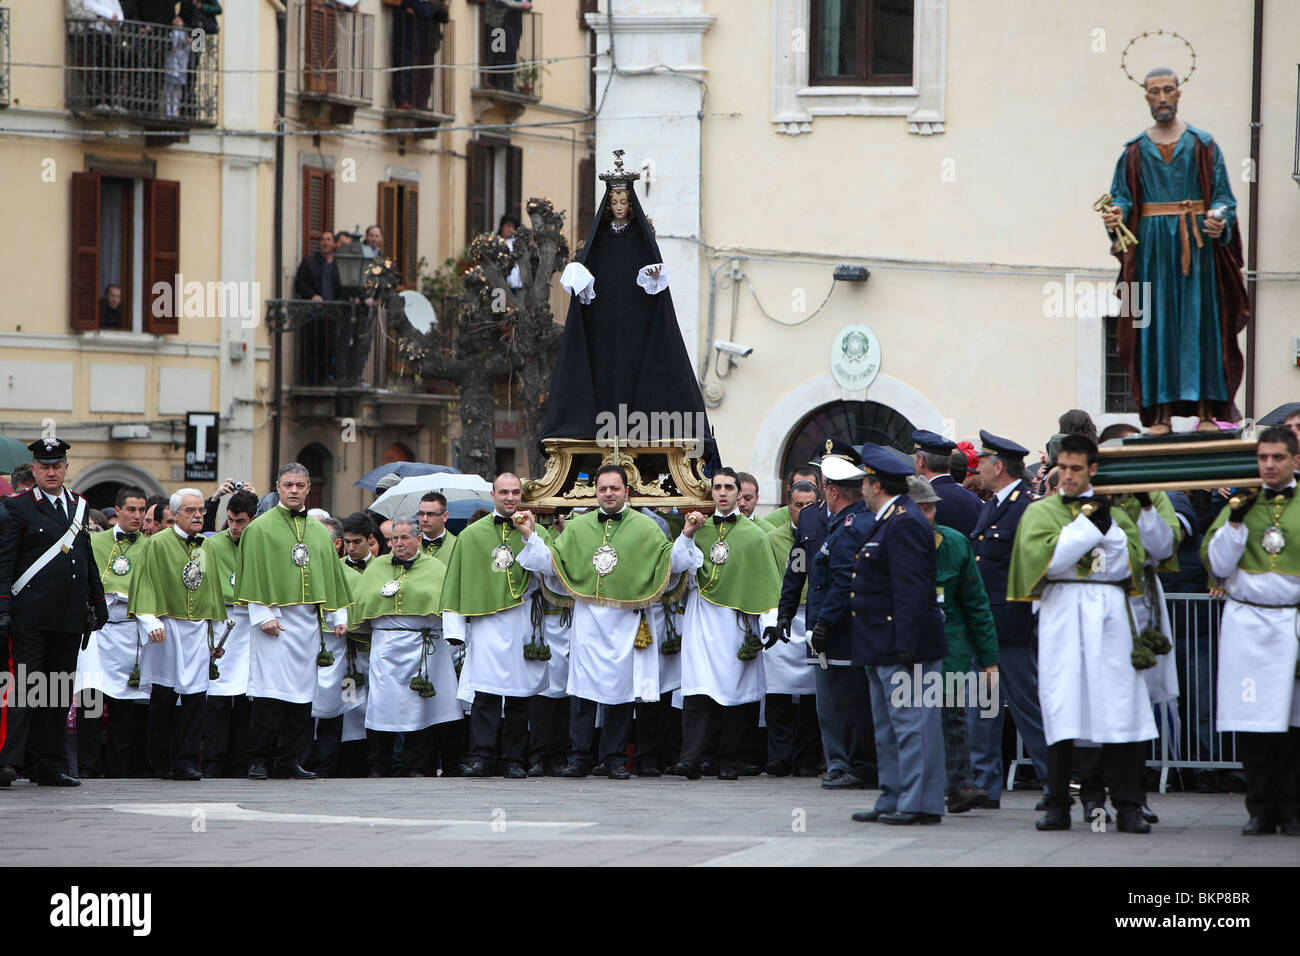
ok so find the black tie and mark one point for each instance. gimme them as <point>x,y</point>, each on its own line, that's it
<point>58,506</point>
<point>497,519</point>
<point>194,539</point>
<point>1271,493</point>
<point>361,565</point>
<point>434,543</point>
<point>728,519</point>
<point>399,563</point>
<point>130,536</point>
<point>602,517</point>
<point>297,514</point>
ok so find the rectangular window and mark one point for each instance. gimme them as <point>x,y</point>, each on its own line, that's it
<point>862,42</point>
<point>1118,398</point>
<point>496,172</point>
<point>125,236</point>
<point>399,221</point>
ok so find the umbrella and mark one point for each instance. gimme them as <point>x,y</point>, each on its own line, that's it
<point>1278,415</point>
<point>12,453</point>
<point>460,511</point>
<point>403,469</point>
<point>404,497</point>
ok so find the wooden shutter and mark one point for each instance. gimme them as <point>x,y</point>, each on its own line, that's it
<point>320,47</point>
<point>410,248</point>
<point>317,206</point>
<point>586,196</point>
<point>162,245</point>
<point>445,80</point>
<point>387,219</point>
<point>84,298</point>
<point>476,218</point>
<point>514,182</point>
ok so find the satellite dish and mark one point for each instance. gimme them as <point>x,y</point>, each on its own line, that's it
<point>419,311</point>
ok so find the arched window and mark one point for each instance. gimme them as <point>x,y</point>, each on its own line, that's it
<point>857,422</point>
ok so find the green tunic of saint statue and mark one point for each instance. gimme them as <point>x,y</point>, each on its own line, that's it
<point>158,583</point>
<point>1183,349</point>
<point>781,538</point>
<point>108,551</point>
<point>272,567</point>
<point>1036,538</point>
<point>632,551</point>
<point>749,580</point>
<point>479,580</point>
<point>384,588</point>
<point>222,552</point>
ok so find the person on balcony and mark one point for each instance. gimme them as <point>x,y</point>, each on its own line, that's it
<point>96,38</point>
<point>505,23</point>
<point>417,34</point>
<point>318,280</point>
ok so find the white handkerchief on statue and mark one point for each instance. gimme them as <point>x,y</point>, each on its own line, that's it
<point>576,280</point>
<point>653,284</point>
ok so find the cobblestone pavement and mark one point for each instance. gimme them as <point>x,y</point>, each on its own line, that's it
<point>593,822</point>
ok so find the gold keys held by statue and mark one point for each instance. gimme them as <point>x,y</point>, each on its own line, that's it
<point>1124,237</point>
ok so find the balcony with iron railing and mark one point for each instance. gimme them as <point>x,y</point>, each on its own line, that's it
<point>509,56</point>
<point>159,77</point>
<point>421,83</point>
<point>336,50</point>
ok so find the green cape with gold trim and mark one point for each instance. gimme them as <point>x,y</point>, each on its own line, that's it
<point>222,554</point>
<point>443,552</point>
<point>471,587</point>
<point>1036,537</point>
<point>265,572</point>
<point>105,549</point>
<point>419,592</point>
<point>1283,512</point>
<point>644,555</point>
<point>156,586</point>
<point>749,580</point>
<point>781,539</point>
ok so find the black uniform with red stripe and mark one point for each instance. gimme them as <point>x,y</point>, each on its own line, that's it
<point>46,620</point>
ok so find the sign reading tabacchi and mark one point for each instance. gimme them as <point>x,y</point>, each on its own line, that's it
<point>201,446</point>
<point>855,357</point>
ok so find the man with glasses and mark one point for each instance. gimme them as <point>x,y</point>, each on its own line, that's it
<point>435,540</point>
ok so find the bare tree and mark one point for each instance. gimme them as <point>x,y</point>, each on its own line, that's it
<point>496,333</point>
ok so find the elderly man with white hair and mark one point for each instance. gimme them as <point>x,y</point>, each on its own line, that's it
<point>175,600</point>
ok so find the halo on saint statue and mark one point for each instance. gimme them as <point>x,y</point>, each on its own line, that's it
<point>1150,34</point>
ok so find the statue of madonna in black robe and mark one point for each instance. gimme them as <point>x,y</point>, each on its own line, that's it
<point>623,346</point>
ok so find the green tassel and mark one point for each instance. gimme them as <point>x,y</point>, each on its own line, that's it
<point>325,659</point>
<point>544,652</point>
<point>213,672</point>
<point>672,644</point>
<point>358,679</point>
<point>134,679</point>
<point>1157,642</point>
<point>1143,658</point>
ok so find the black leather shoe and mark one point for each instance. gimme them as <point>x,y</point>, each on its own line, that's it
<point>844,781</point>
<point>750,770</point>
<point>1042,805</point>
<point>1057,818</point>
<point>475,768</point>
<point>189,773</point>
<point>903,818</point>
<point>728,773</point>
<point>967,798</point>
<point>617,772</point>
<point>648,771</point>
<point>536,769</point>
<point>1291,827</point>
<point>1258,826</point>
<point>708,768</point>
<point>1131,821</point>
<point>1148,814</point>
<point>690,771</point>
<point>777,768</point>
<point>867,816</point>
<point>8,774</point>
<point>515,771</point>
<point>257,771</point>
<point>600,770</point>
<point>1090,809</point>
<point>572,772</point>
<point>57,780</point>
<point>299,773</point>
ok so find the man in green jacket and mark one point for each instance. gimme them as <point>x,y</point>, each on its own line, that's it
<point>968,622</point>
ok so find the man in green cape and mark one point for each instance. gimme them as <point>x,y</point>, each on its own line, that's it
<point>735,579</point>
<point>1253,552</point>
<point>175,597</point>
<point>488,603</point>
<point>1080,557</point>
<point>614,564</point>
<point>435,540</point>
<point>782,517</point>
<point>287,575</point>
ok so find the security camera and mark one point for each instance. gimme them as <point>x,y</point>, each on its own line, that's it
<point>731,348</point>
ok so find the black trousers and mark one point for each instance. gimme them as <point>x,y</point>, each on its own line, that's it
<point>279,733</point>
<point>54,655</point>
<point>417,751</point>
<point>548,730</point>
<point>90,738</point>
<point>486,726</point>
<point>793,734</point>
<point>225,735</point>
<point>323,756</point>
<point>1119,763</point>
<point>1092,777</point>
<point>450,745</point>
<point>698,711</point>
<point>1272,765</point>
<point>613,735</point>
<point>175,733</point>
<point>658,734</point>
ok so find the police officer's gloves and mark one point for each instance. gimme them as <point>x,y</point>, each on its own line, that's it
<point>906,658</point>
<point>817,644</point>
<point>1097,510</point>
<point>100,612</point>
<point>1239,504</point>
<point>780,631</point>
<point>1144,498</point>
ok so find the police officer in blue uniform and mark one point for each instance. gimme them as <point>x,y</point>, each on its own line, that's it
<point>826,539</point>
<point>958,507</point>
<point>898,637</point>
<point>51,598</point>
<point>1001,475</point>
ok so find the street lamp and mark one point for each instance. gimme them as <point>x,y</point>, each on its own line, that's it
<point>351,264</point>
